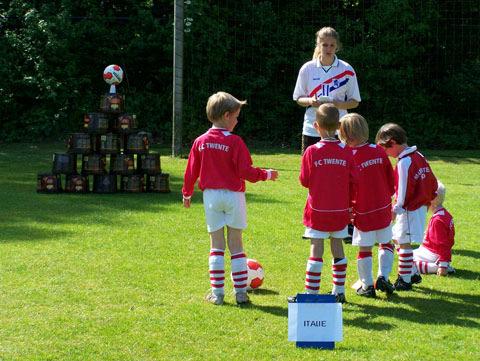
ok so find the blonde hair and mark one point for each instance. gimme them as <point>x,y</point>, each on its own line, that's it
<point>441,191</point>
<point>327,117</point>
<point>320,35</point>
<point>353,127</point>
<point>220,103</point>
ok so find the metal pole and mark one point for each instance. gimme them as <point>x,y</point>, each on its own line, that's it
<point>177,79</point>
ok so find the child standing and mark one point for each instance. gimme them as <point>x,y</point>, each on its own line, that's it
<point>222,162</point>
<point>415,188</point>
<point>435,253</point>
<point>372,204</point>
<point>327,172</point>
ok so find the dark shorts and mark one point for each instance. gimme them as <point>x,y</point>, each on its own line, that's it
<point>308,141</point>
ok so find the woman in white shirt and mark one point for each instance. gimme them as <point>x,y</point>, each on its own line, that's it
<point>325,79</point>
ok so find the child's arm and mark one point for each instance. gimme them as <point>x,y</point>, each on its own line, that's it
<point>190,177</point>
<point>305,170</point>
<point>245,167</point>
<point>402,167</point>
<point>438,234</point>
<point>390,176</point>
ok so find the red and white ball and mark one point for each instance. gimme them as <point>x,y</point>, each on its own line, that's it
<point>256,274</point>
<point>113,74</point>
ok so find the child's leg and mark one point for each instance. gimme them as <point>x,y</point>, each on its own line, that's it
<point>405,262</point>
<point>425,261</point>
<point>216,261</point>
<point>385,260</point>
<point>238,259</point>
<point>339,266</point>
<point>426,267</point>
<point>364,266</point>
<point>314,266</point>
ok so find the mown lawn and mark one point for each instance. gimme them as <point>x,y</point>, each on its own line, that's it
<point>122,276</point>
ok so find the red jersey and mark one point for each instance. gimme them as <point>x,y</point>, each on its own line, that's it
<point>374,188</point>
<point>440,235</point>
<point>222,161</point>
<point>327,171</point>
<point>415,183</point>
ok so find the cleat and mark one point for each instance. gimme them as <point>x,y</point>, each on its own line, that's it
<point>416,278</point>
<point>214,299</point>
<point>451,270</point>
<point>292,299</point>
<point>381,284</point>
<point>340,298</point>
<point>356,285</point>
<point>241,298</point>
<point>401,285</point>
<point>369,292</point>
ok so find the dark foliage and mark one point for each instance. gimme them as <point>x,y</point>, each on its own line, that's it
<point>417,64</point>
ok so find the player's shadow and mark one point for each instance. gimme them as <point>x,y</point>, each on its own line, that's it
<point>273,310</point>
<point>263,291</point>
<point>466,253</point>
<point>445,308</point>
<point>465,274</point>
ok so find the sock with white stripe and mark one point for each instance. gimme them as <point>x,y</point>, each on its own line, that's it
<point>239,272</point>
<point>216,266</point>
<point>313,275</point>
<point>339,273</point>
<point>405,263</point>
<point>425,267</point>
<point>364,268</point>
<point>385,259</point>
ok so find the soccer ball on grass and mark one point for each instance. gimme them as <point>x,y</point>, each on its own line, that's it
<point>256,274</point>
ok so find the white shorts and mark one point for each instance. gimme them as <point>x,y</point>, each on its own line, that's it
<point>224,208</point>
<point>313,233</point>
<point>409,227</point>
<point>368,239</point>
<point>424,254</point>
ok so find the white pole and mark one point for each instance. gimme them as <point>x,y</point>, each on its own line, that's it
<point>177,79</point>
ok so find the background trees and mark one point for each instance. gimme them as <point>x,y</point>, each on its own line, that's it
<point>417,64</point>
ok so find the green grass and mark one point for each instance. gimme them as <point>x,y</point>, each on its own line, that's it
<point>122,277</point>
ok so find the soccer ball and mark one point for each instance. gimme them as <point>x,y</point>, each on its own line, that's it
<point>113,74</point>
<point>255,274</point>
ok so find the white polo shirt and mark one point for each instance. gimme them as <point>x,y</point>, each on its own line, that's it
<point>338,81</point>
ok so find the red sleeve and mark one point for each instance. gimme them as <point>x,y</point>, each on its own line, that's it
<point>244,164</point>
<point>439,233</point>
<point>305,169</point>
<point>390,176</point>
<point>192,171</point>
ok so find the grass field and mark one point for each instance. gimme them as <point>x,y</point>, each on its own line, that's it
<point>122,276</point>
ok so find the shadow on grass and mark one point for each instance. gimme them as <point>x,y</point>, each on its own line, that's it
<point>263,291</point>
<point>273,310</point>
<point>446,308</point>
<point>466,253</point>
<point>465,274</point>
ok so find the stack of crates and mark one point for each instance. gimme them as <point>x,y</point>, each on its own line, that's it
<point>108,155</point>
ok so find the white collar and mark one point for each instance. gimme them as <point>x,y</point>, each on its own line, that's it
<point>407,151</point>
<point>334,63</point>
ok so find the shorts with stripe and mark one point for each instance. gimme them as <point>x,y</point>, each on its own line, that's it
<point>409,227</point>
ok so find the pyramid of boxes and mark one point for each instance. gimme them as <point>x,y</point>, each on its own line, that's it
<point>108,155</point>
